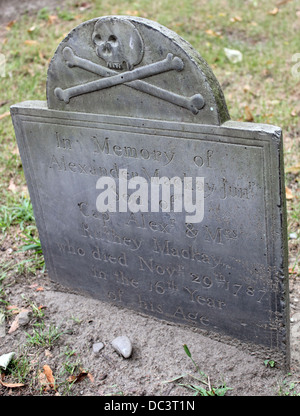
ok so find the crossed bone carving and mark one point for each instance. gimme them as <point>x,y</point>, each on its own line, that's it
<point>130,79</point>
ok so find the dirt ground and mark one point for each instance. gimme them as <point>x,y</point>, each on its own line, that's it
<point>158,354</point>
<point>157,357</point>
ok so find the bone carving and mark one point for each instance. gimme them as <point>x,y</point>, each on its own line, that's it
<point>111,47</point>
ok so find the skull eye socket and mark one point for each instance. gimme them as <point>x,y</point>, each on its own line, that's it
<point>112,38</point>
<point>97,38</point>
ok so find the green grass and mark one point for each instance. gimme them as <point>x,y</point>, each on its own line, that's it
<point>42,336</point>
<point>199,384</point>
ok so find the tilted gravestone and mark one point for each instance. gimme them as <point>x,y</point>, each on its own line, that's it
<point>133,108</point>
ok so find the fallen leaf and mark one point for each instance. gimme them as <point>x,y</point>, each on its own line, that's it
<point>5,359</point>
<point>288,193</point>
<point>31,29</point>
<point>77,378</point>
<point>282,2</point>
<point>248,115</point>
<point>91,377</point>
<point>48,353</point>
<point>31,42</point>
<point>6,114</point>
<point>236,19</point>
<point>131,12</point>
<point>12,186</point>
<point>14,326</point>
<point>49,375</point>
<point>10,24</point>
<point>52,19</point>
<point>274,11</point>
<point>13,308</point>
<point>11,385</point>
<point>211,32</point>
<point>84,6</point>
<point>43,381</point>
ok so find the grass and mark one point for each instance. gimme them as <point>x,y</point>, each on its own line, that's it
<point>262,82</point>
<point>200,385</point>
<point>42,336</point>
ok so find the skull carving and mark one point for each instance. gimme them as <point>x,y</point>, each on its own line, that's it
<point>118,42</point>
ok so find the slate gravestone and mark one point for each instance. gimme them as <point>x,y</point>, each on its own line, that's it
<point>126,95</point>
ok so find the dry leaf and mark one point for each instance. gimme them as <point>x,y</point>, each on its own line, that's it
<point>6,114</point>
<point>10,24</point>
<point>12,186</point>
<point>288,193</point>
<point>236,19</point>
<point>13,308</point>
<point>79,377</point>
<point>49,375</point>
<point>91,377</point>
<point>11,385</point>
<point>43,380</point>
<point>48,353</point>
<point>31,29</point>
<point>52,19</point>
<point>31,42</point>
<point>248,115</point>
<point>84,6</point>
<point>14,326</point>
<point>211,32</point>
<point>274,11</point>
<point>282,2</point>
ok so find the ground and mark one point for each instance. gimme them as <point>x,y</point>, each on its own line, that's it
<point>64,326</point>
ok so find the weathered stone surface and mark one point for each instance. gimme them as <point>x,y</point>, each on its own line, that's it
<point>225,275</point>
<point>132,44</point>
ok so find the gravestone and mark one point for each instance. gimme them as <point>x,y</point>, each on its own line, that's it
<point>129,101</point>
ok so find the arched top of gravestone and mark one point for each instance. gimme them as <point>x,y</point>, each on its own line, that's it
<point>128,66</point>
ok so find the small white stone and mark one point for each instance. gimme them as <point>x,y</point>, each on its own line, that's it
<point>123,346</point>
<point>98,346</point>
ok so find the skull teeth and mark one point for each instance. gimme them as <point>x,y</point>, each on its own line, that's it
<point>114,65</point>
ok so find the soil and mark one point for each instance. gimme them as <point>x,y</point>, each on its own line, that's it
<point>158,354</point>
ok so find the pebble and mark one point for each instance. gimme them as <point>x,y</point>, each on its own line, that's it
<point>293,236</point>
<point>24,317</point>
<point>98,346</point>
<point>122,345</point>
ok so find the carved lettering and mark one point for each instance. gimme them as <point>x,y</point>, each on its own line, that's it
<point>189,316</point>
<point>99,254</point>
<point>190,253</point>
<point>161,269</point>
<point>204,301</point>
<point>149,306</point>
<point>62,143</point>
<point>105,147</point>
